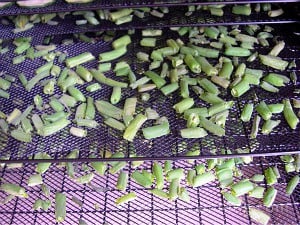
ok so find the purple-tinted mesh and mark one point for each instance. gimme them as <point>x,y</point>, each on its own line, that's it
<point>172,19</point>
<point>281,140</point>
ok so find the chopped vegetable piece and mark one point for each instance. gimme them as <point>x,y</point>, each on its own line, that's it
<point>126,198</point>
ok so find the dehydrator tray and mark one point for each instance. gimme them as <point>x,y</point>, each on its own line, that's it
<point>207,205</point>
<point>282,140</point>
<point>172,19</point>
<point>62,6</point>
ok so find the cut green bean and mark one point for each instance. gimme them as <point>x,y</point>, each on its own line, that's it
<point>203,179</point>
<point>277,48</point>
<point>206,52</point>
<point>206,67</point>
<point>79,59</point>
<point>60,207</point>
<point>112,55</point>
<point>211,98</point>
<point>84,73</point>
<point>175,174</point>
<point>141,179</point>
<point>76,93</point>
<point>134,126</point>
<point>292,184</point>
<point>108,109</point>
<point>208,86</point>
<point>269,197</point>
<point>247,112</point>
<point>220,81</point>
<point>90,111</point>
<point>233,200</point>
<point>156,131</point>
<point>242,187</point>
<point>183,105</point>
<point>93,87</point>
<point>263,110</point>
<point>268,87</point>
<point>54,127</point>
<point>241,10</point>
<point>273,61</point>
<point>257,192</point>
<point>270,176</point>
<point>157,80</point>
<point>258,178</point>
<point>237,51</point>
<point>87,123</point>
<point>20,135</point>
<point>68,100</point>
<point>259,216</point>
<point>122,41</point>
<point>211,127</point>
<point>14,190</point>
<point>269,125</point>
<point>122,181</point>
<point>173,189</point>
<point>99,167</point>
<point>34,180</point>
<point>37,78</point>
<point>115,124</point>
<point>126,198</point>
<point>289,114</point>
<point>100,77</point>
<point>170,88</point>
<point>159,193</point>
<point>158,174</point>
<point>78,132</point>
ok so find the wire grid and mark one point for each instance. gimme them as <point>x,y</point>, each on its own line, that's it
<point>172,19</point>
<point>207,206</point>
<point>62,6</point>
<point>282,140</point>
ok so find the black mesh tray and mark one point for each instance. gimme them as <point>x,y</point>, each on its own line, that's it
<point>207,205</point>
<point>62,6</point>
<point>172,19</point>
<point>282,140</point>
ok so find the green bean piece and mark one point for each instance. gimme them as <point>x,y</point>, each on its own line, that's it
<point>258,178</point>
<point>206,67</point>
<point>240,71</point>
<point>60,207</point>
<point>141,179</point>
<point>190,177</point>
<point>108,109</point>
<point>116,95</point>
<point>241,10</point>
<point>192,63</point>
<point>99,167</point>
<point>20,135</point>
<point>42,167</point>
<point>68,82</point>
<point>4,84</point>
<point>4,94</point>
<point>26,125</point>
<point>195,132</point>
<point>34,180</point>
<point>23,79</point>
<point>112,55</point>
<point>156,131</point>
<point>276,79</point>
<point>56,105</point>
<point>273,61</point>
<point>80,111</point>
<point>126,198</point>
<point>247,112</point>
<point>269,125</point>
<point>37,78</point>
<point>259,216</point>
<point>200,169</point>
<point>170,88</point>
<point>158,174</point>
<point>257,192</point>
<point>289,114</point>
<point>210,98</point>
<point>225,176</point>
<point>237,51</point>
<point>220,81</point>
<point>205,52</point>
<point>219,107</point>
<point>84,73</point>
<point>268,87</point>
<point>76,93</point>
<point>208,86</point>
<point>203,179</point>
<point>183,105</point>
<point>167,166</point>
<point>269,197</point>
<point>277,48</point>
<point>270,176</point>
<point>232,199</point>
<point>192,121</point>
<point>211,32</point>
<point>122,41</point>
<point>68,100</point>
<point>101,78</point>
<point>157,80</point>
<point>173,189</point>
<point>79,59</point>
<point>263,110</point>
<point>224,38</point>
<point>78,132</point>
<point>292,184</point>
<point>211,127</point>
<point>14,190</point>
<point>90,111</point>
<point>93,87</point>
<point>134,126</point>
<point>87,123</point>
<point>148,42</point>
<point>159,193</point>
<point>37,122</point>
<point>122,181</point>
<point>242,187</point>
<point>175,174</point>
<point>54,127</point>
